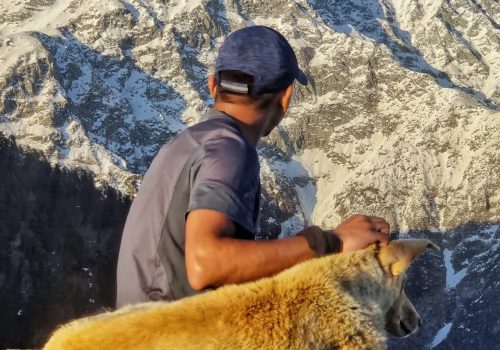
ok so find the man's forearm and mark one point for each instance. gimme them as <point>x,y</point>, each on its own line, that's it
<point>221,260</point>
<point>255,259</point>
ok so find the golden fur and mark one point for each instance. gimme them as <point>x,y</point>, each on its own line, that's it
<point>338,301</point>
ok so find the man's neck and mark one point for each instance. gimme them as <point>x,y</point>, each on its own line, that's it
<point>248,118</point>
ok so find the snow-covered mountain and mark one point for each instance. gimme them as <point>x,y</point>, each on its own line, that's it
<point>401,118</point>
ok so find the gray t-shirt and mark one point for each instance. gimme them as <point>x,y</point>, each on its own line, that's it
<point>210,165</point>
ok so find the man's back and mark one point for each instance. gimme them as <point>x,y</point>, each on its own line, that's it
<point>207,166</point>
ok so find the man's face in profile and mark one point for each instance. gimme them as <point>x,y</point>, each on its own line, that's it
<point>274,116</point>
<point>276,112</point>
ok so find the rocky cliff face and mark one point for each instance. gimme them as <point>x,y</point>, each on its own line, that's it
<point>401,118</point>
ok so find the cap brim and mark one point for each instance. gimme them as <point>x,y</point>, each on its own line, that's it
<point>301,77</point>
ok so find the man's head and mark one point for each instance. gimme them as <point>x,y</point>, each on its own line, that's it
<point>256,66</point>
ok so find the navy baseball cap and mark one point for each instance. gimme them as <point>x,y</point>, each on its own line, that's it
<point>262,53</point>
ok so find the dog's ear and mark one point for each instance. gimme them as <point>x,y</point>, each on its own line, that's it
<point>398,255</point>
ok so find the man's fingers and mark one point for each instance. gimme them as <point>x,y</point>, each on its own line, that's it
<point>384,228</point>
<point>383,239</point>
<point>359,231</point>
<point>380,224</point>
<point>381,230</point>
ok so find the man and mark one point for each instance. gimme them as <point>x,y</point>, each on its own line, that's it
<point>192,225</point>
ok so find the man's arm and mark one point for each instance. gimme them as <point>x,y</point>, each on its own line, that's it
<point>213,258</point>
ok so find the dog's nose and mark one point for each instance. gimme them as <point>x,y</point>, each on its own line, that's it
<point>419,321</point>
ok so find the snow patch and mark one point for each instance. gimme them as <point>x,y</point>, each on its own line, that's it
<point>179,6</point>
<point>292,169</point>
<point>307,200</point>
<point>329,178</point>
<point>452,278</point>
<point>441,335</point>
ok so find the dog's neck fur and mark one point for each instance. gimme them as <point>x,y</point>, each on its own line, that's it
<point>359,286</point>
<point>362,292</point>
<point>357,296</point>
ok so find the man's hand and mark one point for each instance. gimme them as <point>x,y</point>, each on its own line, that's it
<point>359,231</point>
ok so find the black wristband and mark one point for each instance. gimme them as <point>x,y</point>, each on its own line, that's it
<point>322,242</point>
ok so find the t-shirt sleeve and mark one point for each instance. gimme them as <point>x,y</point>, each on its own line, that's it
<point>227,180</point>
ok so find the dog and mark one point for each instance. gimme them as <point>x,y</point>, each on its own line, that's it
<point>341,301</point>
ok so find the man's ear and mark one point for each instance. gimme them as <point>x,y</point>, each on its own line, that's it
<point>212,85</point>
<point>398,255</point>
<point>286,98</point>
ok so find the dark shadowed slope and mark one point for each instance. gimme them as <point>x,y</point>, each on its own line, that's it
<point>60,237</point>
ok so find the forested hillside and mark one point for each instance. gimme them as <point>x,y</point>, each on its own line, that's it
<point>60,237</point>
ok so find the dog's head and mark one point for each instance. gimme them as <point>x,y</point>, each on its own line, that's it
<point>402,319</point>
